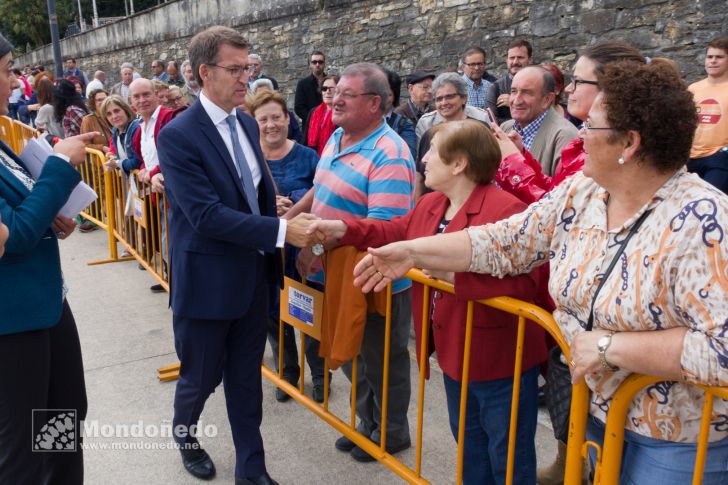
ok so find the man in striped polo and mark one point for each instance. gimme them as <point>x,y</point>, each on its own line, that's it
<point>367,171</point>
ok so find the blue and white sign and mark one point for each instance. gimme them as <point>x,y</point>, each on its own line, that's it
<point>300,305</point>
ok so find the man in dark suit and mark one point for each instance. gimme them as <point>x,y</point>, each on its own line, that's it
<point>224,236</point>
<point>308,89</point>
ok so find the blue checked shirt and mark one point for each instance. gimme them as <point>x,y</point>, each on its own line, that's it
<point>476,95</point>
<point>528,134</point>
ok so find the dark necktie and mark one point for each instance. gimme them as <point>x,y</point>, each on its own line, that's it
<point>243,167</point>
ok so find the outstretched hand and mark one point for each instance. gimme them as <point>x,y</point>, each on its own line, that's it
<point>327,231</point>
<point>382,265</point>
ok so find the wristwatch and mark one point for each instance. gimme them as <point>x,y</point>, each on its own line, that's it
<point>317,249</point>
<point>603,344</point>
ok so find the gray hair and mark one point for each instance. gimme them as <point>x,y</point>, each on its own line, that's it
<point>375,81</point>
<point>256,57</point>
<point>127,65</point>
<point>205,45</point>
<point>261,83</point>
<point>182,67</point>
<point>452,78</point>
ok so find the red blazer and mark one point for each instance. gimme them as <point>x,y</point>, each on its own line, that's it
<point>494,332</point>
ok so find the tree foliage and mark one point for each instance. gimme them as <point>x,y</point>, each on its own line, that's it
<point>25,22</point>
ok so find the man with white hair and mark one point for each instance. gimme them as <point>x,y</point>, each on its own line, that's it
<point>97,82</point>
<point>256,61</point>
<point>127,76</point>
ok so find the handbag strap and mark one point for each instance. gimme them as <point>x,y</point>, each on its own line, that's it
<point>621,249</point>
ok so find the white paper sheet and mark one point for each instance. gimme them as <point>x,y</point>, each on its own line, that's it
<point>34,156</point>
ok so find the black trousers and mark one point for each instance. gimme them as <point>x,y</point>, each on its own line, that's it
<point>41,369</point>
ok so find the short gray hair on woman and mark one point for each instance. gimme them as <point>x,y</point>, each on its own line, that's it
<point>205,45</point>
<point>453,79</point>
<point>375,81</point>
<point>261,83</point>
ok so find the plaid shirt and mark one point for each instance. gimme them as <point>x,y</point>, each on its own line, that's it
<point>476,95</point>
<point>528,134</point>
<point>72,121</point>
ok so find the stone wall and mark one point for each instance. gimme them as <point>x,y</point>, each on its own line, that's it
<point>402,35</point>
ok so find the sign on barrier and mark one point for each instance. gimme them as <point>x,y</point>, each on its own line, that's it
<point>140,213</point>
<point>302,307</point>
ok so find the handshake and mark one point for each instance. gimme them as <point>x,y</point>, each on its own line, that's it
<point>306,230</point>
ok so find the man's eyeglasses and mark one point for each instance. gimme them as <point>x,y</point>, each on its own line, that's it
<point>349,96</point>
<point>446,97</point>
<point>575,82</point>
<point>236,71</point>
<point>317,62</point>
<point>475,65</point>
<point>326,89</point>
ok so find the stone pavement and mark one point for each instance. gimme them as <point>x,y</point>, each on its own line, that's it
<point>126,334</point>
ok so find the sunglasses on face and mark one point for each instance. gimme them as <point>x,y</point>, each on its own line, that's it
<point>317,62</point>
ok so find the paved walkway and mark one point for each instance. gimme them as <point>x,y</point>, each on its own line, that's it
<point>126,334</point>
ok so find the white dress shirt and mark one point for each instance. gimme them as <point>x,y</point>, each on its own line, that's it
<point>149,146</point>
<point>219,119</point>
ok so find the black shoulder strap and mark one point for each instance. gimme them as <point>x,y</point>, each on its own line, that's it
<point>621,249</point>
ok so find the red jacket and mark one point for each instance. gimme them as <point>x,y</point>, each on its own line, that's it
<point>494,332</point>
<point>522,176</point>
<point>165,116</point>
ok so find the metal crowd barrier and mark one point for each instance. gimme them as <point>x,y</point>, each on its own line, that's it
<point>15,134</point>
<point>523,310</point>
<point>609,459</point>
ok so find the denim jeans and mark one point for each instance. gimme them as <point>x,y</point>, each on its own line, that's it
<point>713,169</point>
<point>487,418</point>
<point>648,461</point>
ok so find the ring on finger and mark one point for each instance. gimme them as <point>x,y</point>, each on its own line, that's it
<point>572,363</point>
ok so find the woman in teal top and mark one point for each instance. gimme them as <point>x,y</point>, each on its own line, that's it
<point>40,355</point>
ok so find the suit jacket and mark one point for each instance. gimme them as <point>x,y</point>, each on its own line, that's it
<point>553,135</point>
<point>116,89</point>
<point>308,96</point>
<point>31,285</point>
<point>215,240</point>
<point>494,332</point>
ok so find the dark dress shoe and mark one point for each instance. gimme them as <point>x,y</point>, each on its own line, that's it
<point>261,480</point>
<point>198,463</point>
<point>344,444</point>
<point>281,395</point>
<point>157,288</point>
<point>362,456</point>
<point>318,392</point>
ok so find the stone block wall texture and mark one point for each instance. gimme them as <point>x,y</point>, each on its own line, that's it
<point>401,35</point>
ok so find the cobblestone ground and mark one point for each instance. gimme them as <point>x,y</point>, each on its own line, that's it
<point>126,334</point>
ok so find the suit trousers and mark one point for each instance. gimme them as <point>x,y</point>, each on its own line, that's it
<point>41,369</point>
<point>369,374</point>
<point>228,351</point>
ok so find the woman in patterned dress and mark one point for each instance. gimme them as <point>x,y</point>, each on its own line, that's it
<point>663,311</point>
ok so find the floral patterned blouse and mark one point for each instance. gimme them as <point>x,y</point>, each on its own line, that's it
<point>673,273</point>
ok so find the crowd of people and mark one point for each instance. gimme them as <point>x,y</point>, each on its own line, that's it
<point>497,185</point>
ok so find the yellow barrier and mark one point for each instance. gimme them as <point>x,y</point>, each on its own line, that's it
<point>523,310</point>
<point>8,133</point>
<point>23,133</point>
<point>609,458</point>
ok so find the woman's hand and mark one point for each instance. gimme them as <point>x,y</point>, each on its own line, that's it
<point>328,231</point>
<point>585,354</point>
<point>283,204</point>
<point>63,226</point>
<point>111,162</point>
<point>507,147</point>
<point>382,265</point>
<point>517,140</point>
<point>74,147</point>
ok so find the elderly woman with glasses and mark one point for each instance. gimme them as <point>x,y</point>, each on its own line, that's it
<point>459,168</point>
<point>450,93</point>
<point>520,173</point>
<point>663,311</point>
